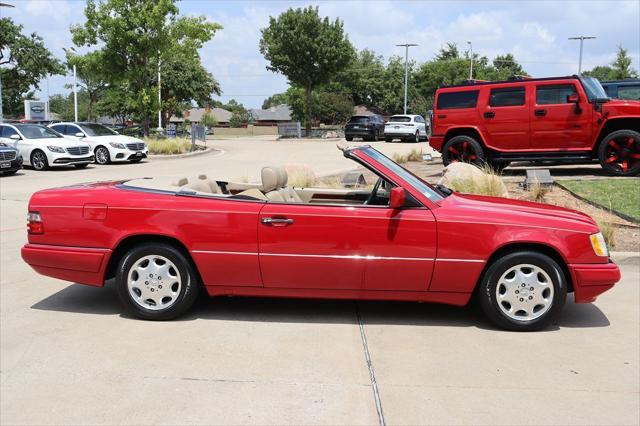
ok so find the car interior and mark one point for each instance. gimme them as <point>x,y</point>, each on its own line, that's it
<point>273,188</point>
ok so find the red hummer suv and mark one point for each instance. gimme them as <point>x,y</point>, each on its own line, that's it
<point>566,119</point>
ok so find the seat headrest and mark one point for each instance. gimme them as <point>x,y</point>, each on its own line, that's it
<point>282,177</point>
<point>270,179</point>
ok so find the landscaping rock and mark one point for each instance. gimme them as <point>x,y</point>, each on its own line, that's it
<point>464,177</point>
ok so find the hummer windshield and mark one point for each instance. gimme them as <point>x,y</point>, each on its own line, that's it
<point>593,88</point>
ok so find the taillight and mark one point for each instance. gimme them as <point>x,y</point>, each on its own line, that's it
<point>34,223</point>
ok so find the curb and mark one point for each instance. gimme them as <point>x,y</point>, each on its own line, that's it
<point>625,256</point>
<point>186,154</point>
<point>600,206</point>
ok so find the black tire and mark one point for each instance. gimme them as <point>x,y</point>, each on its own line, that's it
<point>619,153</point>
<point>12,172</point>
<point>39,160</point>
<point>487,297</point>
<point>374,138</point>
<point>349,138</point>
<point>81,166</point>
<point>188,289</point>
<point>387,139</point>
<point>498,166</point>
<point>463,148</point>
<point>102,155</point>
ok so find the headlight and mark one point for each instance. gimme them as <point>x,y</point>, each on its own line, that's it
<point>599,244</point>
<point>117,145</point>
<point>55,149</point>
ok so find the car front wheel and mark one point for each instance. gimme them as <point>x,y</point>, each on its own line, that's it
<point>102,155</point>
<point>523,291</point>
<point>619,153</point>
<point>156,282</point>
<point>39,160</point>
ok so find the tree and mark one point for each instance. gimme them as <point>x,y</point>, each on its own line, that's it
<point>136,36</point>
<point>274,100</point>
<point>601,72</point>
<point>307,49</point>
<point>62,105</point>
<point>209,120</point>
<point>621,66</point>
<point>24,62</point>
<point>115,102</point>
<point>363,80</point>
<point>327,107</point>
<point>238,118</point>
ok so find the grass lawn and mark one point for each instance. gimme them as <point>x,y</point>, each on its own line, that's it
<point>622,195</point>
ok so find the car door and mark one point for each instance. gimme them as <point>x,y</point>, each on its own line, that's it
<point>557,124</point>
<point>346,247</point>
<point>421,125</point>
<point>505,117</point>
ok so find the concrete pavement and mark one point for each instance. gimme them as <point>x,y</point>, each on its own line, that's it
<point>69,356</point>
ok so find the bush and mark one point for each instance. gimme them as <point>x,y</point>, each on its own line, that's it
<point>168,146</point>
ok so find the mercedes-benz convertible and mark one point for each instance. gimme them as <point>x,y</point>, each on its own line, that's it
<point>401,239</point>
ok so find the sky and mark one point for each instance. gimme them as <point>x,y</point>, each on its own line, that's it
<point>536,32</point>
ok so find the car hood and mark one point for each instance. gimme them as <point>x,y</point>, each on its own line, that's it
<point>114,138</point>
<point>478,208</point>
<point>621,107</point>
<point>63,142</point>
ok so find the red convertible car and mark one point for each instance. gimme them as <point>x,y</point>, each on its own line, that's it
<point>403,239</point>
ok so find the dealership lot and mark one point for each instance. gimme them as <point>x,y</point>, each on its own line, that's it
<point>68,354</point>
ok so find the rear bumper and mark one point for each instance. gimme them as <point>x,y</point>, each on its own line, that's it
<point>356,133</point>
<point>76,264</point>
<point>591,280</point>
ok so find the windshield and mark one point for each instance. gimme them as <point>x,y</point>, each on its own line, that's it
<point>36,131</point>
<point>400,119</point>
<point>593,88</point>
<point>359,119</point>
<point>424,188</point>
<point>95,129</point>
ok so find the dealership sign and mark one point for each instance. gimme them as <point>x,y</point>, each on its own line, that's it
<point>36,110</point>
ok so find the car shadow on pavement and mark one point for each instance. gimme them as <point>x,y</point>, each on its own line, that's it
<point>83,299</point>
<point>556,171</point>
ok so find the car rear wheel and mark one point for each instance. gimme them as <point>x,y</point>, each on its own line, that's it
<point>619,153</point>
<point>39,160</point>
<point>156,282</point>
<point>463,149</point>
<point>374,138</point>
<point>387,139</point>
<point>417,136</point>
<point>523,291</point>
<point>349,138</point>
<point>102,155</point>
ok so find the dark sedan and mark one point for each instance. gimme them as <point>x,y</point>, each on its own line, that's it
<point>10,160</point>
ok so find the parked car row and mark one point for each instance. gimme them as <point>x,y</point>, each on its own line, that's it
<point>563,119</point>
<point>63,144</point>
<point>407,128</point>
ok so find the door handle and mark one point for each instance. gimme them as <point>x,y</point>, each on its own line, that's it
<point>276,221</point>
<point>489,114</point>
<point>540,112</point>
<point>442,115</point>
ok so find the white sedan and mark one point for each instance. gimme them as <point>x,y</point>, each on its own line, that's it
<point>408,128</point>
<point>107,145</point>
<point>42,147</point>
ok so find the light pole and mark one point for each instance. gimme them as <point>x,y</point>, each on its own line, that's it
<point>75,94</point>
<point>471,58</point>
<point>406,70</point>
<point>1,115</point>
<point>159,98</point>
<point>582,39</point>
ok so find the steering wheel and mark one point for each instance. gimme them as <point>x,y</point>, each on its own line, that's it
<point>374,192</point>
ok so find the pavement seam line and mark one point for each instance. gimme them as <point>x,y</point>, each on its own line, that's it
<point>372,374</point>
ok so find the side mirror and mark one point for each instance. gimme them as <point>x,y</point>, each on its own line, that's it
<point>15,137</point>
<point>397,198</point>
<point>573,98</point>
<point>79,135</point>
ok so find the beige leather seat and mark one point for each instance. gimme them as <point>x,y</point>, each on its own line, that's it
<point>274,185</point>
<point>200,184</point>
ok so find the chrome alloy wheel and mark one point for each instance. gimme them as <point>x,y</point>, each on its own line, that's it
<point>38,160</point>
<point>154,282</point>
<point>102,156</point>
<point>524,292</point>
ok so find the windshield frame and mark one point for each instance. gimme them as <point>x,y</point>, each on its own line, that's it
<point>592,89</point>
<point>88,129</point>
<point>419,185</point>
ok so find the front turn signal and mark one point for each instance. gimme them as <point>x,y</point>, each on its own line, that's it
<point>599,244</point>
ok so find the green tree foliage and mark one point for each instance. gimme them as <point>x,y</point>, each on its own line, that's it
<point>275,100</point>
<point>209,120</point>
<point>24,62</point>
<point>62,105</point>
<point>90,77</point>
<point>135,36</point>
<point>364,79</point>
<point>327,107</point>
<point>239,118</point>
<point>307,49</point>
<point>619,69</point>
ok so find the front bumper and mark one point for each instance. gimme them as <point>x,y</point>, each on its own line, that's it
<point>436,142</point>
<point>61,161</point>
<point>591,280</point>
<point>118,154</point>
<point>76,264</point>
<point>14,164</point>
